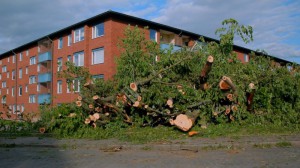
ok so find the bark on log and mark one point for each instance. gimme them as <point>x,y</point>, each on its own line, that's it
<point>185,122</point>
<point>133,86</point>
<point>42,130</point>
<point>89,85</point>
<point>79,98</point>
<point>204,73</point>
<point>96,116</point>
<point>87,121</point>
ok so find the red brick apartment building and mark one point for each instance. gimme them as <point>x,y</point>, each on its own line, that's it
<point>28,73</point>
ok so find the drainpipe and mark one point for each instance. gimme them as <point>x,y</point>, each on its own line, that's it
<point>51,70</point>
<point>16,82</point>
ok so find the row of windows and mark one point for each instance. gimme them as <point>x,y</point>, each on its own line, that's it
<point>32,61</point>
<point>97,31</point>
<point>20,90</point>
<point>78,58</point>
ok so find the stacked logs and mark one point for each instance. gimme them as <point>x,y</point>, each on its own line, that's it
<point>102,110</point>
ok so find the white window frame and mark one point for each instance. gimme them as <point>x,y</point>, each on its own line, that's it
<point>95,31</point>
<point>26,88</point>
<point>7,74</point>
<point>38,67</point>
<point>20,73</point>
<point>27,52</point>
<point>80,60</point>
<point>59,64</point>
<point>14,59</point>
<point>32,60</point>
<point>59,87</point>
<point>69,39</point>
<point>13,74</point>
<point>79,35</point>
<point>32,79</point>
<point>98,56</point>
<point>246,58</point>
<point>3,100</point>
<point>20,57</point>
<point>76,85</point>
<point>60,43</point>
<point>13,91</point>
<point>26,70</point>
<point>32,98</point>
<point>20,91</point>
<point>3,84</point>
<point>38,87</point>
<point>4,68</point>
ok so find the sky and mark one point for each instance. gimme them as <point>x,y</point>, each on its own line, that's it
<point>276,23</point>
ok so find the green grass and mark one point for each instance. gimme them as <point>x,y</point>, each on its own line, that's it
<point>283,144</point>
<point>262,146</point>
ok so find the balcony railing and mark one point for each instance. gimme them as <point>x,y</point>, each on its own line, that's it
<point>167,46</point>
<point>45,77</point>
<point>45,57</point>
<point>44,98</point>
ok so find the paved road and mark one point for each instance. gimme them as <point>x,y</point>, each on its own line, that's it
<point>275,151</point>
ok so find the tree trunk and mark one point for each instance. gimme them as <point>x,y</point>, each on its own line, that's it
<point>186,121</point>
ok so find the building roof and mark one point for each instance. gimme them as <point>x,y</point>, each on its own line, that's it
<point>131,19</point>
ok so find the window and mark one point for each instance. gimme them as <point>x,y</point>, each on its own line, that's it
<point>246,58</point>
<point>3,100</point>
<point>68,87</point>
<point>60,43</point>
<point>13,74</point>
<point>31,98</point>
<point>20,57</point>
<point>27,52</point>
<point>4,84</point>
<point>13,91</point>
<point>22,108</point>
<point>78,35</point>
<point>98,56</point>
<point>59,86</point>
<point>153,35</point>
<point>20,91</point>
<point>38,87</point>
<point>26,88</point>
<point>8,59</point>
<point>4,69</point>
<point>7,75</point>
<point>38,67</point>
<point>39,49</point>
<point>0,76</point>
<point>26,70</point>
<point>98,30</point>
<point>59,64</point>
<point>7,91</point>
<point>14,58</point>
<point>20,73</point>
<point>32,60</point>
<point>69,57</point>
<point>69,39</point>
<point>76,85</point>
<point>99,76</point>
<point>32,79</point>
<point>78,58</point>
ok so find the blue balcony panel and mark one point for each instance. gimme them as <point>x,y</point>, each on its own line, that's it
<point>45,77</point>
<point>44,98</point>
<point>168,46</point>
<point>45,57</point>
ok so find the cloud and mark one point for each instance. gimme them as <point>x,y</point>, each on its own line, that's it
<point>275,23</point>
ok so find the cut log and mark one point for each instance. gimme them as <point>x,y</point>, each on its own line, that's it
<point>87,121</point>
<point>185,122</point>
<point>72,115</point>
<point>250,96</point>
<point>170,102</point>
<point>79,98</point>
<point>89,85</point>
<point>204,73</point>
<point>96,116</point>
<point>137,104</point>
<point>133,86</point>
<point>91,106</point>
<point>231,117</point>
<point>234,108</point>
<point>92,118</point>
<point>229,96</point>
<point>42,130</point>
<point>227,110</point>
<point>78,103</point>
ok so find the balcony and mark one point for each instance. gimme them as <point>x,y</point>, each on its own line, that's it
<point>45,77</point>
<point>46,56</point>
<point>44,98</point>
<point>167,46</point>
